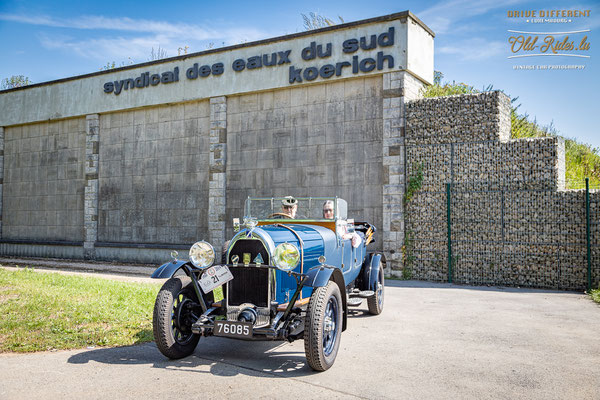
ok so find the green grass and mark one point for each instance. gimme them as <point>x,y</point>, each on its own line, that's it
<point>595,294</point>
<point>45,311</point>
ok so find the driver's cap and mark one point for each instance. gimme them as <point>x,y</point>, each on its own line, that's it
<point>289,201</point>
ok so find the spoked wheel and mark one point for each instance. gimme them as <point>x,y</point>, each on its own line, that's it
<point>330,330</point>
<point>323,327</point>
<point>375,302</point>
<point>175,310</point>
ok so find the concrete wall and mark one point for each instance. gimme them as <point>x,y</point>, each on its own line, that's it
<point>44,181</point>
<point>174,174</point>
<point>512,222</point>
<point>161,166</point>
<point>157,178</point>
<point>316,141</point>
<point>153,174</point>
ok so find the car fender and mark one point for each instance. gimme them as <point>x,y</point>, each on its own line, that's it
<point>370,274</point>
<point>319,276</point>
<point>169,269</point>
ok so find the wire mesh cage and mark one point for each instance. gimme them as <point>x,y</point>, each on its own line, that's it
<point>495,233</point>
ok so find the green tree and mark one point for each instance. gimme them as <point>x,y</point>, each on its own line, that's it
<point>15,81</point>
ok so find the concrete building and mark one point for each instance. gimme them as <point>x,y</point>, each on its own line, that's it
<point>130,163</point>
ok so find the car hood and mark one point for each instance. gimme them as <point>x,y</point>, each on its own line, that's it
<point>316,240</point>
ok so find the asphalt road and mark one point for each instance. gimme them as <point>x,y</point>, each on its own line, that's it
<point>432,341</point>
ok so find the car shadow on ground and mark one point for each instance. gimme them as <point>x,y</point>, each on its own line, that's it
<point>359,312</point>
<point>223,357</point>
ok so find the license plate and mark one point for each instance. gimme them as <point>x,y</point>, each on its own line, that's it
<point>215,277</point>
<point>233,329</point>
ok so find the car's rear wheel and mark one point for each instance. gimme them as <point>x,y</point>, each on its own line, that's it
<point>375,302</point>
<point>175,311</point>
<point>323,326</point>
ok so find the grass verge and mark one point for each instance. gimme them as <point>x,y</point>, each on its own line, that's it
<point>595,294</point>
<point>46,311</point>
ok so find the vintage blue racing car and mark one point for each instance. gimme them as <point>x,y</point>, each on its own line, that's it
<point>290,272</point>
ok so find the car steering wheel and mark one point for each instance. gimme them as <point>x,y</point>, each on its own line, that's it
<point>279,214</point>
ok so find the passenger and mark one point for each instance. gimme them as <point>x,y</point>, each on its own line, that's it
<point>342,227</point>
<point>328,209</point>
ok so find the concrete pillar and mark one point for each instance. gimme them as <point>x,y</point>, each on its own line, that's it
<point>1,173</point>
<point>218,163</point>
<point>90,218</point>
<point>398,87</point>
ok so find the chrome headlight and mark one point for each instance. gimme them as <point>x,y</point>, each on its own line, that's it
<point>202,254</point>
<point>286,257</point>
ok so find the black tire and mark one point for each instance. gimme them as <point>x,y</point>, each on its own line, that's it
<point>323,326</point>
<point>175,310</point>
<point>375,302</point>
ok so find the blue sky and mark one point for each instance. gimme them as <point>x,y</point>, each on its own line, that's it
<point>47,40</point>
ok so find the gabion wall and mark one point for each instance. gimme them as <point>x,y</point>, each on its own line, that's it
<point>512,222</point>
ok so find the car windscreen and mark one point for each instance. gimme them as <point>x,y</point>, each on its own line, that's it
<point>310,208</point>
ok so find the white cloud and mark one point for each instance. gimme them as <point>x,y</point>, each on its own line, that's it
<point>475,49</point>
<point>134,38</point>
<point>99,22</point>
<point>446,14</point>
<point>113,49</point>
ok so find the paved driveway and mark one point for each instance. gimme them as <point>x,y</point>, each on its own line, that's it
<point>433,341</point>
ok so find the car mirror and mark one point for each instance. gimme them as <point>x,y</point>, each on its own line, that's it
<point>236,224</point>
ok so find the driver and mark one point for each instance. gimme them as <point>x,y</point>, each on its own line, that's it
<point>289,206</point>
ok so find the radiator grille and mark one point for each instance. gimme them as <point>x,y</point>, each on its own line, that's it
<point>249,284</point>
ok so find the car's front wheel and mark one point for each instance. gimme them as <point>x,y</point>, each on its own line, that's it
<point>323,326</point>
<point>175,311</point>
